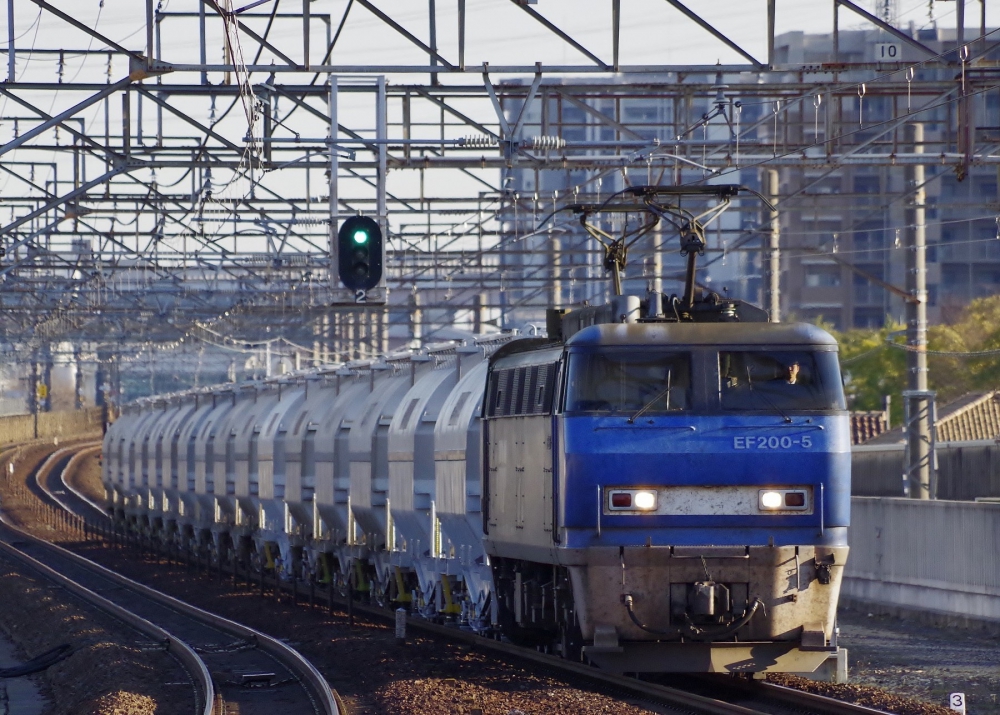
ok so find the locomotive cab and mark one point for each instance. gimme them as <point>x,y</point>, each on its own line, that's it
<point>679,502</point>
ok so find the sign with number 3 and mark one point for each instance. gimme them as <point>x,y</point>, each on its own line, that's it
<point>956,701</point>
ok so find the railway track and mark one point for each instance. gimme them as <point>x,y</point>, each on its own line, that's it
<point>150,634</point>
<point>704,695</point>
<point>235,668</point>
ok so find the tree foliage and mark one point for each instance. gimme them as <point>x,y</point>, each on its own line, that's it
<point>874,361</point>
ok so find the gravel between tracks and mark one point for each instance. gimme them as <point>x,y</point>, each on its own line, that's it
<point>108,674</point>
<point>373,674</point>
<point>896,665</point>
<point>923,661</point>
<point>86,478</point>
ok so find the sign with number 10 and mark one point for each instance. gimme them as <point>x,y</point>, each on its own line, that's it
<point>888,52</point>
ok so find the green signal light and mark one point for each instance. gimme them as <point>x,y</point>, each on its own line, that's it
<point>361,237</point>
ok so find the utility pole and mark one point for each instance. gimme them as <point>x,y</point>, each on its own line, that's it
<point>33,393</point>
<point>334,195</point>
<point>918,401</point>
<point>773,252</point>
<point>11,71</point>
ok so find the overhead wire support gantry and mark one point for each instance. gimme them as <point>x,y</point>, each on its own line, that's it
<point>201,177</point>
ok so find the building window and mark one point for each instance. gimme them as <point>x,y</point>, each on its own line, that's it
<point>866,189</point>
<point>986,280</point>
<point>871,318</point>
<point>866,292</point>
<point>822,276</point>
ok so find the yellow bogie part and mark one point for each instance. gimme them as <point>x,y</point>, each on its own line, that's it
<point>402,595</point>
<point>450,605</point>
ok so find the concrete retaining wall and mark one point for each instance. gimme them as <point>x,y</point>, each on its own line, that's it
<point>930,556</point>
<point>965,470</point>
<point>46,425</point>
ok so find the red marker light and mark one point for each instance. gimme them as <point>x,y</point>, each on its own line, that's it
<point>795,499</point>
<point>621,500</point>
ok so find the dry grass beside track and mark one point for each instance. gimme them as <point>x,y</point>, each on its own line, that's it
<point>20,505</point>
<point>86,478</point>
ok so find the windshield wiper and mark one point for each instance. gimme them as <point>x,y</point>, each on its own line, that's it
<point>656,397</point>
<point>766,398</point>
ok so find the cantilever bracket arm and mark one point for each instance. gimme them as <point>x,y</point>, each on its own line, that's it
<point>564,36</point>
<point>88,30</point>
<point>431,52</point>
<point>66,198</point>
<point>508,133</point>
<point>251,34</point>
<point>700,21</point>
<point>878,22</point>
<point>62,116</point>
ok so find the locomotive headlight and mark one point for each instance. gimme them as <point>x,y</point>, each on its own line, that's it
<point>783,500</point>
<point>645,500</point>
<point>631,501</point>
<point>771,500</point>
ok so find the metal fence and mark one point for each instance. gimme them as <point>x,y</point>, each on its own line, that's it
<point>46,425</point>
<point>965,470</point>
<point>930,556</point>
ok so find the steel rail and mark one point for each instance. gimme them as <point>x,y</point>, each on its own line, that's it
<point>811,701</point>
<point>80,451</point>
<point>669,695</point>
<point>185,654</point>
<point>83,451</point>
<point>305,673</point>
<point>817,704</point>
<point>322,696</point>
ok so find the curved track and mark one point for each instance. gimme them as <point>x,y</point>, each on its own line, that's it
<point>204,688</point>
<point>705,695</point>
<point>253,673</point>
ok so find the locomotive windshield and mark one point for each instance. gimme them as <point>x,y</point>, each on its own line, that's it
<point>772,381</point>
<point>628,380</point>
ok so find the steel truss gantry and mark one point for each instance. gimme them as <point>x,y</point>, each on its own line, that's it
<point>150,194</point>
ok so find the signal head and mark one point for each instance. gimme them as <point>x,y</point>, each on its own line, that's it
<point>360,253</point>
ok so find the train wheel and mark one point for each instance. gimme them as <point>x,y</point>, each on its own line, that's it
<point>571,640</point>
<point>256,563</point>
<point>514,632</point>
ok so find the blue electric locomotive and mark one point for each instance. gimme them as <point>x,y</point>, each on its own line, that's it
<point>663,482</point>
<point>670,496</point>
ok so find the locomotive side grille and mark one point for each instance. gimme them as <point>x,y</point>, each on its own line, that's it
<point>529,379</point>
<point>544,389</point>
<point>521,391</point>
<point>514,397</point>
